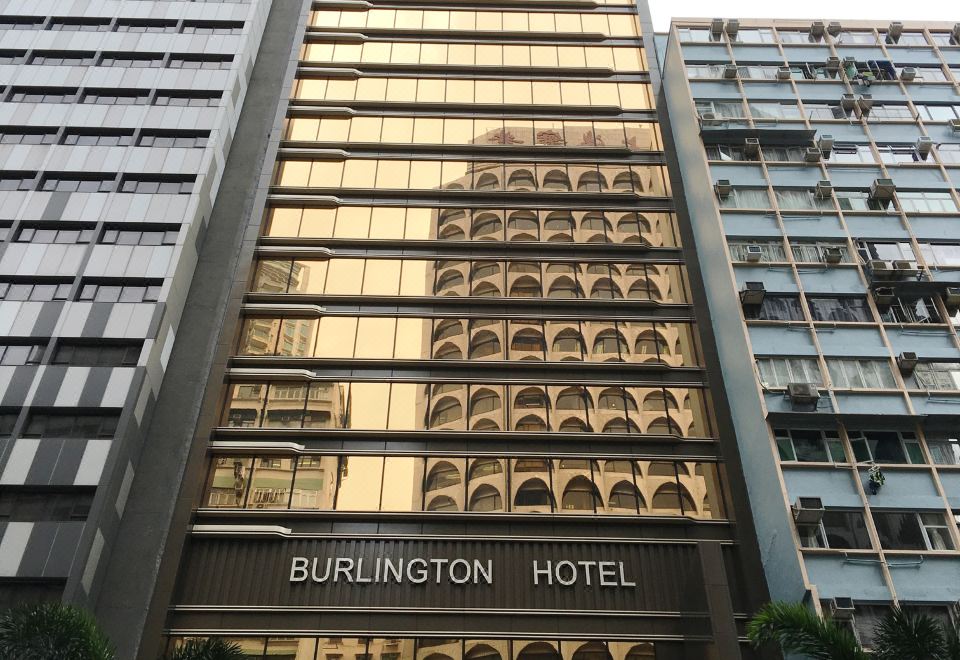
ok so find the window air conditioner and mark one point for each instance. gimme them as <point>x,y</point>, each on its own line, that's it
<point>751,147</point>
<point>895,30</point>
<point>753,253</point>
<point>817,28</point>
<point>709,118</point>
<point>834,28</point>
<point>884,297</point>
<point>824,189</point>
<point>924,145</point>
<point>955,125</point>
<point>812,155</point>
<point>880,270</point>
<point>906,269</point>
<point>808,511</point>
<point>752,293</point>
<point>729,70</point>
<point>783,73</point>
<point>865,102</point>
<point>908,73</point>
<point>848,101</point>
<point>803,394</point>
<point>733,26</point>
<point>882,189</point>
<point>907,361</point>
<point>955,33</point>
<point>833,64</point>
<point>716,26</point>
<point>842,609</point>
<point>723,188</point>
<point>951,297</point>
<point>825,144</point>
<point>832,255</point>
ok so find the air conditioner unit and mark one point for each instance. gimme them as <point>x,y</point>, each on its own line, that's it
<point>751,147</point>
<point>907,361</point>
<point>880,270</point>
<point>803,395</point>
<point>955,125</point>
<point>895,30</point>
<point>908,73</point>
<point>849,61</point>
<point>832,255</point>
<point>753,253</point>
<point>842,609</point>
<point>752,293</point>
<point>951,297</point>
<point>812,155</point>
<point>848,101</point>
<point>834,28</point>
<point>723,188</point>
<point>783,73</point>
<point>808,511</point>
<point>733,26</point>
<point>817,28</point>
<point>716,26</point>
<point>833,64</point>
<point>710,119</point>
<point>865,102</point>
<point>730,71</point>
<point>924,145</point>
<point>825,144</point>
<point>884,296</point>
<point>824,189</point>
<point>905,269</point>
<point>955,33</point>
<point>882,189</point>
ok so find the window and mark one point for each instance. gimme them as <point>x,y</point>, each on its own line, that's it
<point>132,60</point>
<point>893,154</point>
<point>11,56</point>
<point>192,99</point>
<point>97,355</point>
<point>845,309</point>
<point>912,530</point>
<point>80,24</point>
<point>925,201</point>
<point>856,200</point>
<point>905,309</point>
<point>178,139</point>
<point>21,354</point>
<point>757,72</point>
<point>906,39</point>
<point>46,234</point>
<point>727,152</point>
<point>15,181</point>
<point>692,34</point>
<point>145,25</point>
<point>124,293</point>
<point>949,152</point>
<point>16,135</point>
<point>797,37</point>
<point>721,109</point>
<point>885,446</point>
<point>944,447</point>
<point>809,446</point>
<point>200,61</point>
<point>100,137</point>
<point>77,183</point>
<point>746,198</point>
<point>801,200</point>
<point>779,371</point>
<point>856,37</point>
<point>851,153</point>
<point>890,112</point>
<point>67,425</point>
<point>838,530</point>
<point>937,375</point>
<point>772,110</point>
<point>135,237</point>
<point>929,112</point>
<point>62,58</point>
<point>769,250</point>
<point>42,292</point>
<point>167,185</point>
<point>941,254</point>
<point>926,74</point>
<point>756,36</point>
<point>860,374</point>
<point>42,95</point>
<point>775,307</point>
<point>826,111</point>
<point>784,153</point>
<point>817,251</point>
<point>212,27</point>
<point>943,39</point>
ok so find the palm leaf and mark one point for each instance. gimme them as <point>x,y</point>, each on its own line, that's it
<point>208,649</point>
<point>798,629</point>
<point>951,643</point>
<point>901,635</point>
<point>52,630</point>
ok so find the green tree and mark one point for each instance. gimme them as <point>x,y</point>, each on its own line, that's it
<point>52,631</point>
<point>899,635</point>
<point>207,649</point>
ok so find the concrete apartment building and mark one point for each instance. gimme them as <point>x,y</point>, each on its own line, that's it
<point>821,165</point>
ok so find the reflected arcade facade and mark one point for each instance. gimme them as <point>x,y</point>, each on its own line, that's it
<point>465,330</point>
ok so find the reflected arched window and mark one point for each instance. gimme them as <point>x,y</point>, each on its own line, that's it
<point>616,398</point>
<point>560,238</point>
<point>605,289</point>
<point>661,469</point>
<point>530,465</point>
<point>664,426</point>
<point>448,351</point>
<point>446,410</point>
<point>446,329</point>
<point>644,290</point>
<point>633,224</point>
<point>620,425</point>
<point>592,651</point>
<point>487,181</point>
<point>564,287</point>
<point>628,182</point>
<point>591,182</point>
<point>522,180</point>
<point>442,475</point>
<point>573,398</point>
<point>568,341</point>
<point>483,652</point>
<point>595,221</point>
<point>559,221</point>
<point>482,269</point>
<point>484,343</point>
<point>485,425</point>
<point>485,467</point>
<point>486,290</point>
<point>486,498</point>
<point>525,287</point>
<point>620,466</point>
<point>556,180</point>
<point>451,215</point>
<point>483,401</point>
<point>533,492</point>
<point>442,503</point>
<point>670,497</point>
<point>531,397</point>
<point>610,341</point>
<point>580,464</point>
<point>642,651</point>
<point>581,495</point>
<point>451,233</point>
<point>574,425</point>
<point>527,340</point>
<point>651,343</point>
<point>523,221</point>
<point>486,225</point>
<point>449,279</point>
<point>659,401</point>
<point>530,423</point>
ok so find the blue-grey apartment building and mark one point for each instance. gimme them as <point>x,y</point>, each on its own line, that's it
<point>821,163</point>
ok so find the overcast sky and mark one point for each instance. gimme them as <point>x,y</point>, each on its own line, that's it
<point>879,10</point>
